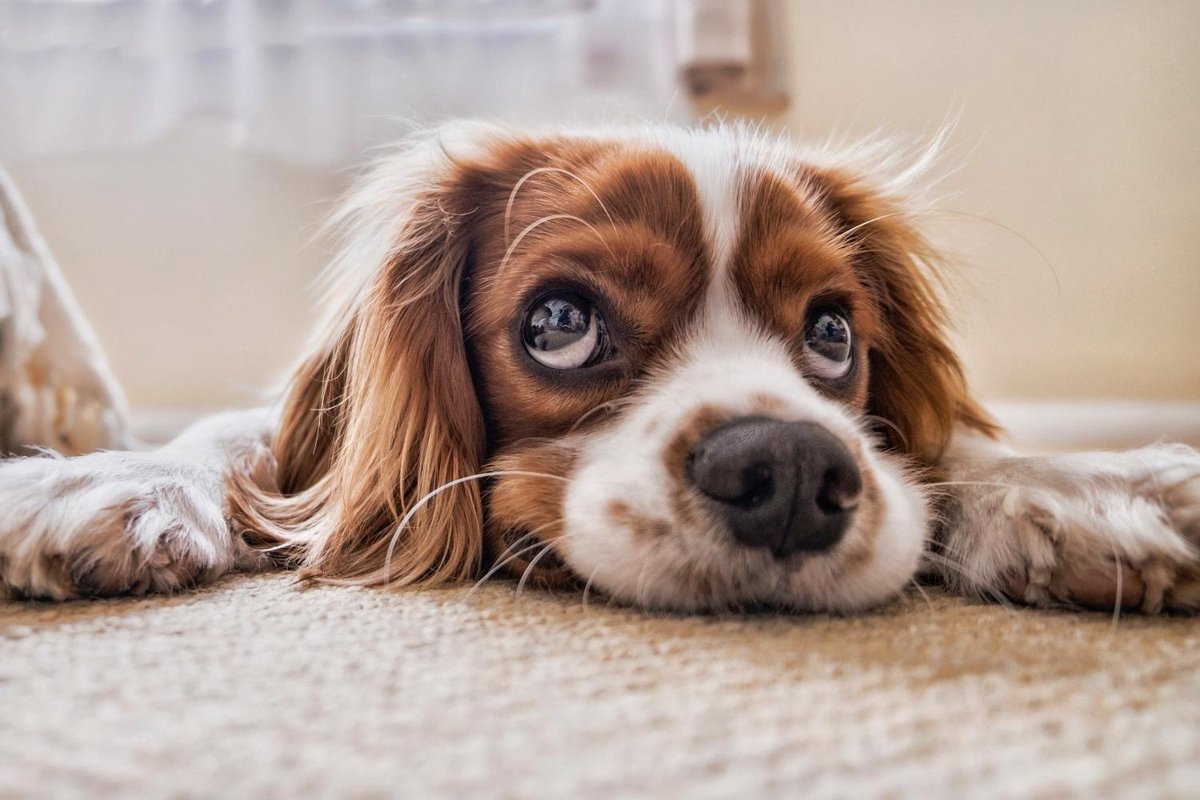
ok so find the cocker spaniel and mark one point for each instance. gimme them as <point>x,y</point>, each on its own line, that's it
<point>690,369</point>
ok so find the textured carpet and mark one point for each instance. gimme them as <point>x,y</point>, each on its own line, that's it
<point>256,688</point>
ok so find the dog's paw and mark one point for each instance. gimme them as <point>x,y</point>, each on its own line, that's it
<point>112,523</point>
<point>1088,529</point>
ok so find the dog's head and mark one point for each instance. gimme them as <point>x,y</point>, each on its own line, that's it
<point>697,368</point>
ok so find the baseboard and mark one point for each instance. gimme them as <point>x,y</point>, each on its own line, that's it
<point>161,423</point>
<point>1091,425</point>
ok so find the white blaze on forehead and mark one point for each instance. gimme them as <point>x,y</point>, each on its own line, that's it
<point>716,169</point>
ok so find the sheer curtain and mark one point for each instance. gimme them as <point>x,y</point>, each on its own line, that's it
<point>317,81</point>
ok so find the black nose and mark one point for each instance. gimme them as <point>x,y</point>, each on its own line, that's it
<point>786,486</point>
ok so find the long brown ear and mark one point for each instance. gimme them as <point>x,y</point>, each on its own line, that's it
<point>916,380</point>
<point>382,415</point>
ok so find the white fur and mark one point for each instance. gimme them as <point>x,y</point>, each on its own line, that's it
<point>725,365</point>
<point>1056,526</point>
<point>717,170</point>
<point>118,522</point>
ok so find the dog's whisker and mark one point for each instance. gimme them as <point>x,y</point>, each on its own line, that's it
<point>532,532</point>
<point>533,563</point>
<point>961,571</point>
<point>412,511</point>
<point>596,409</point>
<point>587,586</point>
<point>531,227</point>
<point>939,546</point>
<point>639,585</point>
<point>845,236</point>
<point>1116,614</point>
<point>889,424</point>
<point>499,566</point>
<point>539,543</point>
<point>1000,484</point>
<point>956,567</point>
<point>512,196</point>
<point>921,590</point>
<point>1006,228</point>
<point>959,567</point>
<point>1119,563</point>
<point>505,558</point>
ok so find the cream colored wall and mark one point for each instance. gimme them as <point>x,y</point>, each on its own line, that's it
<point>193,262</point>
<point>1079,128</point>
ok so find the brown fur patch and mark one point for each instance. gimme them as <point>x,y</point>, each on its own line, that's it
<point>828,237</point>
<point>693,428</point>
<point>788,259</point>
<point>683,501</point>
<point>643,264</point>
<point>916,381</point>
<point>525,510</point>
<point>639,524</point>
<point>767,404</point>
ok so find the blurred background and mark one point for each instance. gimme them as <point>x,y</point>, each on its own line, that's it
<point>180,155</point>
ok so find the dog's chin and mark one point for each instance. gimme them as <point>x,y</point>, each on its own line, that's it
<point>699,570</point>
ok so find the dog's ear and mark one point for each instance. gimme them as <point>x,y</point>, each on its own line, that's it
<point>383,416</point>
<point>916,380</point>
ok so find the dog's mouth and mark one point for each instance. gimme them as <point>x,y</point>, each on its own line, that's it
<point>724,576</point>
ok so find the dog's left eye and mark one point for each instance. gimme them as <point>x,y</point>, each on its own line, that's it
<point>564,331</point>
<point>828,344</point>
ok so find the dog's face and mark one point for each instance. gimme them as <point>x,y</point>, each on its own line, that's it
<point>696,367</point>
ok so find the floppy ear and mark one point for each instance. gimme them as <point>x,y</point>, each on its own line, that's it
<point>383,413</point>
<point>916,380</point>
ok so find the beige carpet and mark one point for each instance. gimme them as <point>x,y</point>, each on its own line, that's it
<point>256,688</point>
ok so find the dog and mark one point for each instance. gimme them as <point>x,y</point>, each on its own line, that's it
<point>691,369</point>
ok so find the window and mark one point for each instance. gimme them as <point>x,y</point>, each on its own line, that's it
<point>319,81</point>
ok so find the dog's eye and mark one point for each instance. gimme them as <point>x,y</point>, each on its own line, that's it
<point>828,344</point>
<point>564,331</point>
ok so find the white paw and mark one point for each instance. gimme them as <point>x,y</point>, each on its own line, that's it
<point>112,523</point>
<point>1089,529</point>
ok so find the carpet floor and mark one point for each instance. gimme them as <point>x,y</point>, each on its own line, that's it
<point>258,688</point>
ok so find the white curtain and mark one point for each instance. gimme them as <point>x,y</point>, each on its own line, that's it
<point>317,81</point>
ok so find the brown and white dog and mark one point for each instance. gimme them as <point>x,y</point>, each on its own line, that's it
<point>691,369</point>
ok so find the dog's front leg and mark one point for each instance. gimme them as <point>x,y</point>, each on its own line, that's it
<point>1085,529</point>
<point>129,522</point>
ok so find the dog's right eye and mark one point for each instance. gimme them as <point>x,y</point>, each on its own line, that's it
<point>564,331</point>
<point>828,343</point>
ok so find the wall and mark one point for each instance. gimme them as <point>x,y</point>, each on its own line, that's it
<point>193,262</point>
<point>1078,125</point>
<point>1078,130</point>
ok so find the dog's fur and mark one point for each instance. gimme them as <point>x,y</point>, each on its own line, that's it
<point>422,441</point>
